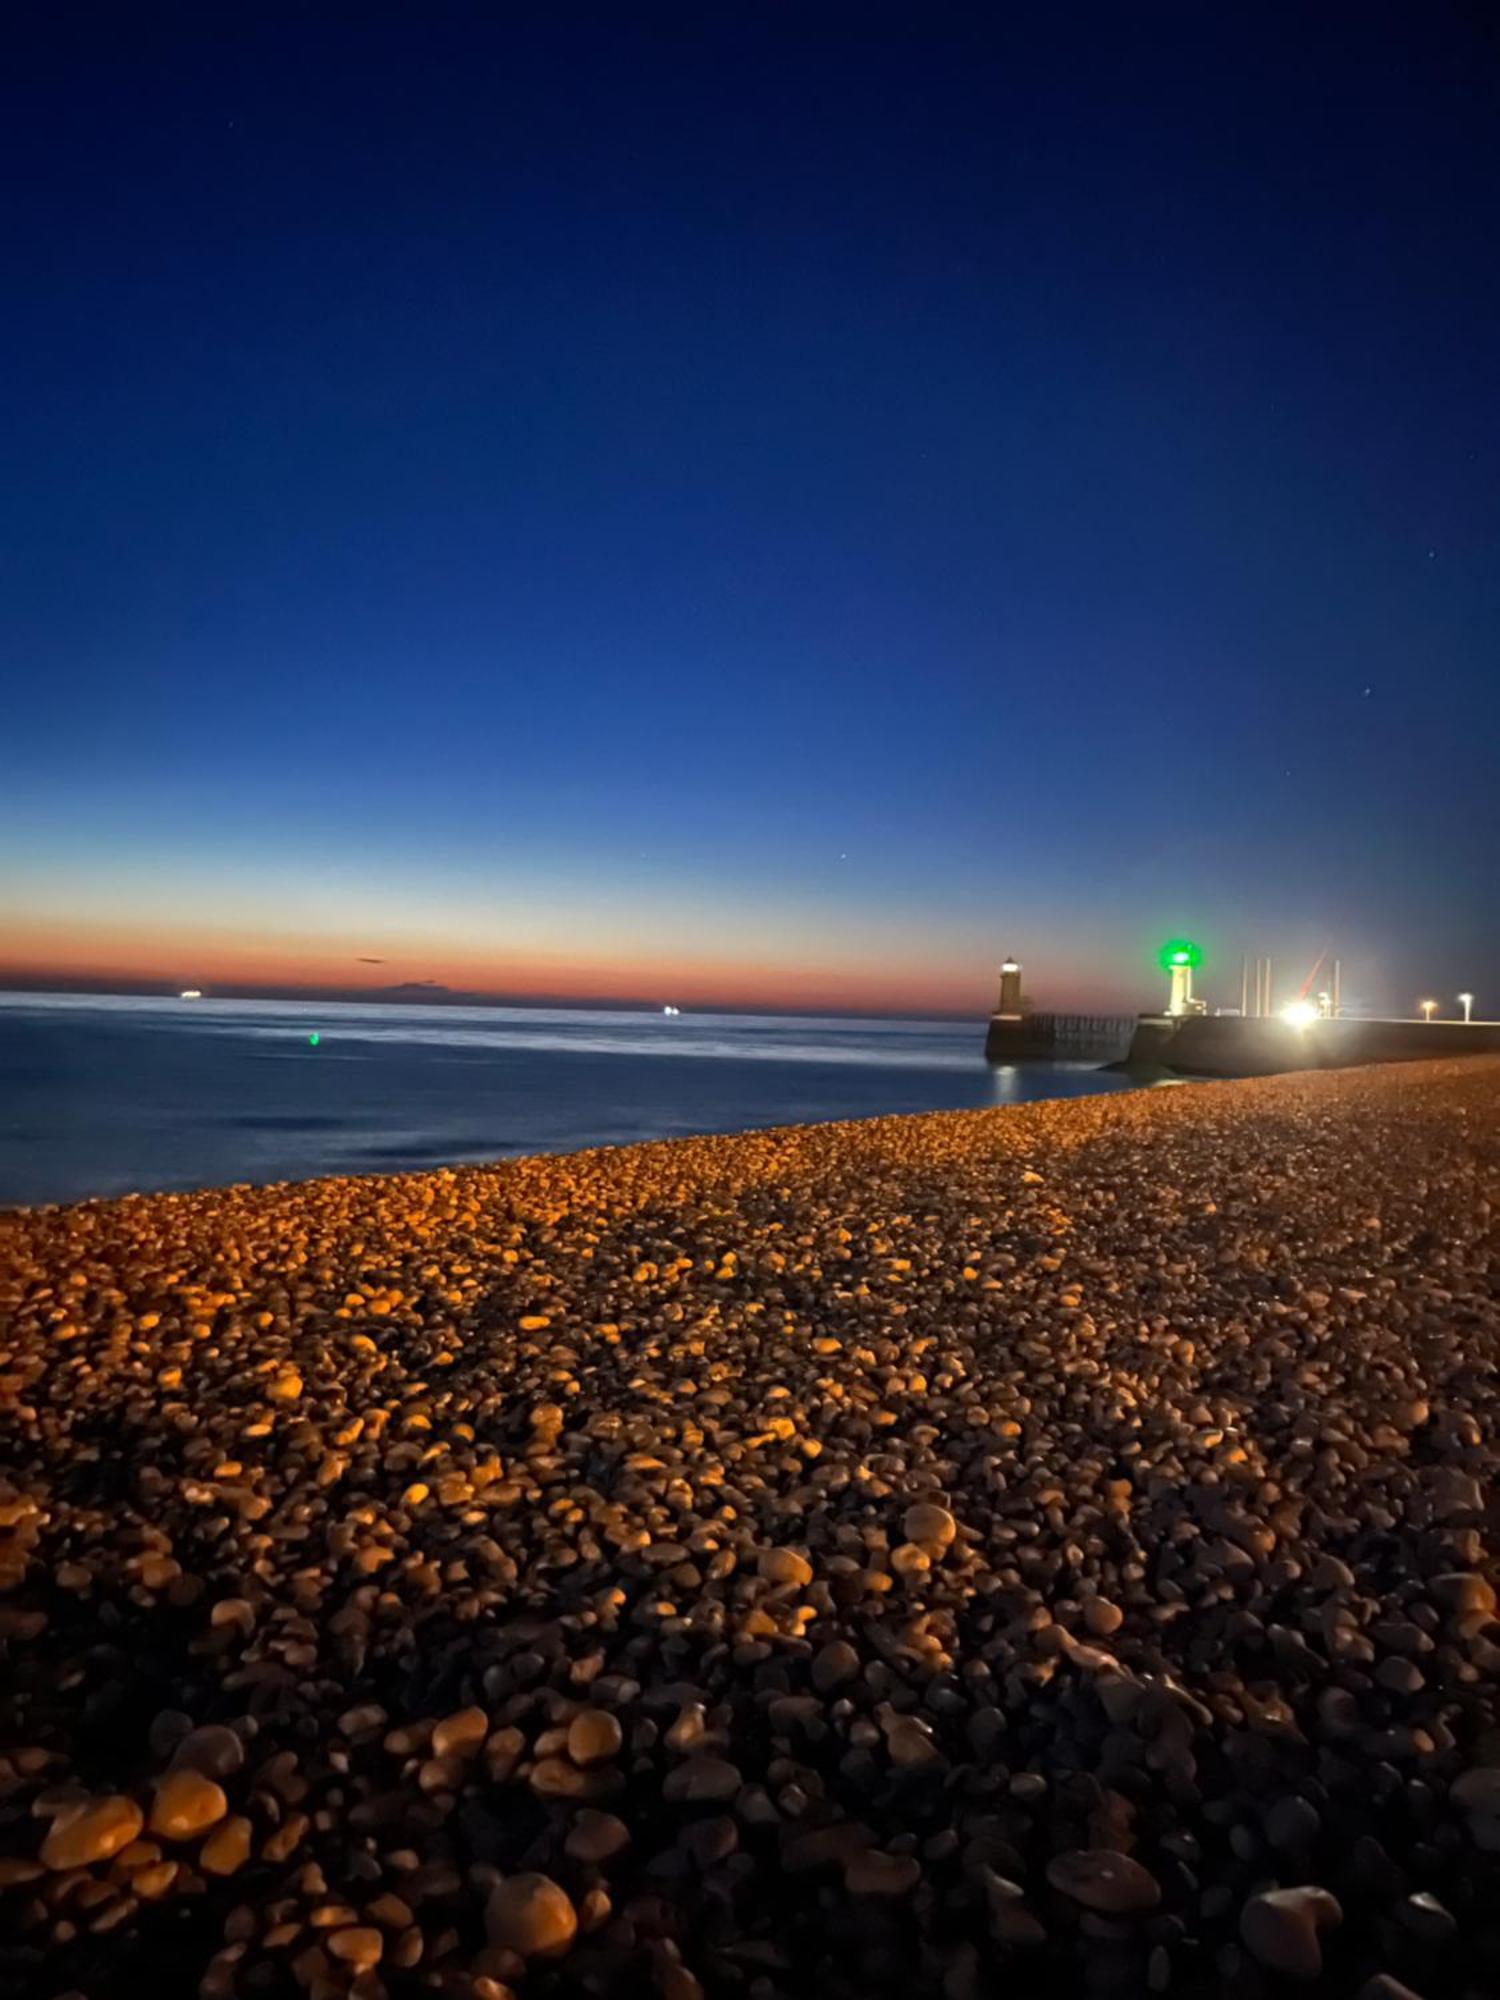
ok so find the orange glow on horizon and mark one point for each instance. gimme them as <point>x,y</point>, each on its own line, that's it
<point>169,957</point>
<point>172,959</point>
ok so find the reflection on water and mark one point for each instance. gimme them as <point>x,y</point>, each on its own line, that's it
<point>106,1095</point>
<point>481,1030</point>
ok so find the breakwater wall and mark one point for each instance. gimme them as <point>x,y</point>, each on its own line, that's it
<point>1059,1037</point>
<point>1234,1045</point>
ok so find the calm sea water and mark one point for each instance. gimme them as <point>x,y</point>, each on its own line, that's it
<point>103,1096</point>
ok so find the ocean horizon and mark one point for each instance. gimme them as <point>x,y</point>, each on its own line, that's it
<point>106,1095</point>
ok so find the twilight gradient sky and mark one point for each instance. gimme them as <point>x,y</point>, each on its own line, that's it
<point>750,502</point>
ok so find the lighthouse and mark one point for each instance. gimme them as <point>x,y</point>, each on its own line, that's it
<point>1178,956</point>
<point>1009,1007</point>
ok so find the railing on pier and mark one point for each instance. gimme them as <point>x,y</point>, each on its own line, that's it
<point>1083,1027</point>
<point>1021,1035</point>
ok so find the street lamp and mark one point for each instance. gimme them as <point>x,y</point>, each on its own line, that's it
<point>1428,1007</point>
<point>1466,1001</point>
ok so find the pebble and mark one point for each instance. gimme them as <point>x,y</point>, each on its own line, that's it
<point>929,1525</point>
<point>1281,1928</point>
<point>532,1916</point>
<point>594,1736</point>
<point>227,1848</point>
<point>596,1836</point>
<point>785,1566</point>
<point>461,1734</point>
<point>834,1666</point>
<point>91,1832</point>
<point>873,1873</point>
<point>1292,1824</point>
<point>1425,1917</point>
<point>702,1781</point>
<point>1463,1591</point>
<point>186,1804</point>
<point>1478,1790</point>
<point>1101,1617</point>
<point>1114,1884</point>
<point>213,1751</point>
<point>359,1945</point>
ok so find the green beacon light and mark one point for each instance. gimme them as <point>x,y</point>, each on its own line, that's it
<point>313,1039</point>
<point>1179,951</point>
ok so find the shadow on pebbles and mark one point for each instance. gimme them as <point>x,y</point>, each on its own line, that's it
<point>1026,1552</point>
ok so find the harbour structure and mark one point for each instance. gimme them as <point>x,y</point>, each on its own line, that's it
<point>1018,1033</point>
<point>1309,1031</point>
<point>1237,1045</point>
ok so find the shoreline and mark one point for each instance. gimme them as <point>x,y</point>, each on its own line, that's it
<point>592,1156</point>
<point>187,1100</point>
<point>1036,1547</point>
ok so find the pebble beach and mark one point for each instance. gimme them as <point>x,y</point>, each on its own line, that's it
<point>1034,1551</point>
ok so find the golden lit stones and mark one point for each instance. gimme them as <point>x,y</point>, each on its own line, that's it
<point>862,1553</point>
<point>91,1832</point>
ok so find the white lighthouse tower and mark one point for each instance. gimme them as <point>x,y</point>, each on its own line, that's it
<point>1009,1007</point>
<point>1178,956</point>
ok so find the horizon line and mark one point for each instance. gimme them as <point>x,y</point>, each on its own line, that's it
<point>416,993</point>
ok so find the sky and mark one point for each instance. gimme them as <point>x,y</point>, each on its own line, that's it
<point>750,504</point>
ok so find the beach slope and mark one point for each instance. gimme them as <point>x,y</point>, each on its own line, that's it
<point>1035,1550</point>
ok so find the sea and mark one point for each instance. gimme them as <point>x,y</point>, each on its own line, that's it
<point>107,1096</point>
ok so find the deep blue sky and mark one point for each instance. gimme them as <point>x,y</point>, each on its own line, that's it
<point>743,500</point>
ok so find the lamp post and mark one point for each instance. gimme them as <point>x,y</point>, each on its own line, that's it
<point>1428,1007</point>
<point>1466,1001</point>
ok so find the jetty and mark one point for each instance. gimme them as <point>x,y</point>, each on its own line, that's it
<point>1018,1034</point>
<point>1060,1038</point>
<point>1188,1040</point>
<point>1240,1045</point>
